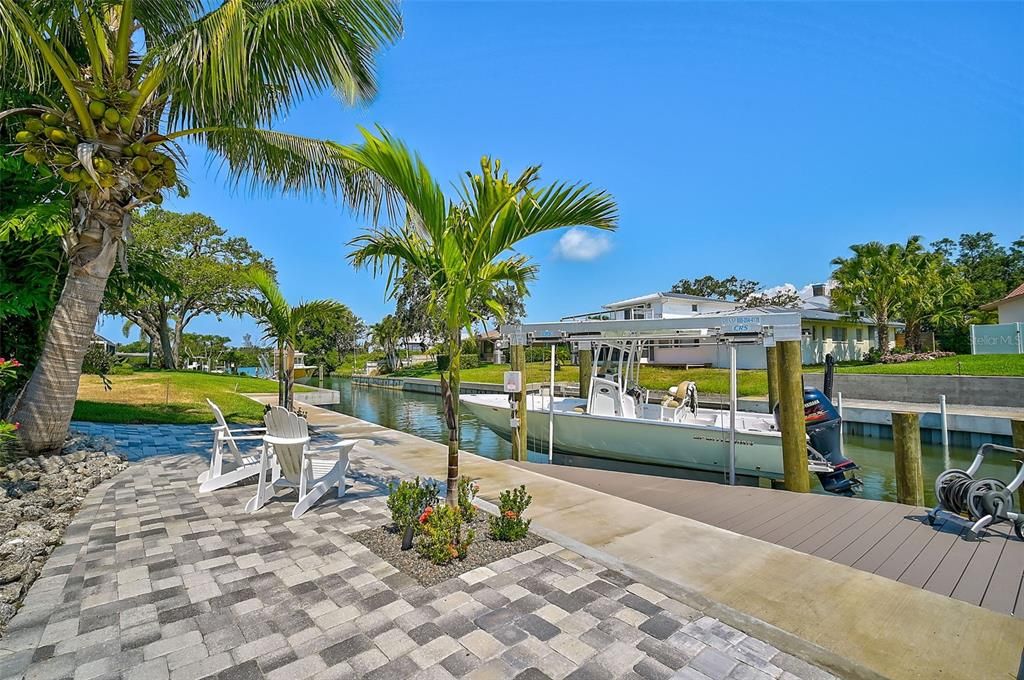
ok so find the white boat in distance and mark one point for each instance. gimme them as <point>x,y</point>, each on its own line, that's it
<point>618,422</point>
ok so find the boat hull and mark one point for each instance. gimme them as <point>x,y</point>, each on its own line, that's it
<point>639,441</point>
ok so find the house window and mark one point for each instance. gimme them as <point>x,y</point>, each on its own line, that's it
<point>627,314</point>
<point>814,332</point>
<point>693,308</point>
<point>860,334</point>
<point>838,334</point>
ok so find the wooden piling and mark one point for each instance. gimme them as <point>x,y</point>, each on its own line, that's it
<point>1017,428</point>
<point>586,366</point>
<point>772,356</point>
<point>517,354</point>
<point>791,416</point>
<point>906,437</point>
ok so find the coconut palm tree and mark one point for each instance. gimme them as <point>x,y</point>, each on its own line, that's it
<point>876,279</point>
<point>283,324</point>
<point>464,245</point>
<point>136,77</point>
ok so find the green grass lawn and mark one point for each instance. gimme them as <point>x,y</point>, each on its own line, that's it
<point>172,397</point>
<point>962,364</point>
<point>709,380</point>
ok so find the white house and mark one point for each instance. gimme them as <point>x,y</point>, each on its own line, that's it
<point>1010,308</point>
<point>824,331</point>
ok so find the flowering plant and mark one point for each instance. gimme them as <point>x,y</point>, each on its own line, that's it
<point>509,525</point>
<point>441,536</point>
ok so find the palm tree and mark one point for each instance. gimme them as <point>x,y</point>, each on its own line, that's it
<point>934,295</point>
<point>464,246</point>
<point>134,78</point>
<point>283,324</point>
<point>387,334</point>
<point>875,279</point>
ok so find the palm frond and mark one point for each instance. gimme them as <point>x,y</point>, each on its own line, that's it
<point>245,63</point>
<point>17,50</point>
<point>404,171</point>
<point>267,160</point>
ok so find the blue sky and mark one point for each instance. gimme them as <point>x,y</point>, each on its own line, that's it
<point>752,139</point>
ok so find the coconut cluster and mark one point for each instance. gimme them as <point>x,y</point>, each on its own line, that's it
<point>51,140</point>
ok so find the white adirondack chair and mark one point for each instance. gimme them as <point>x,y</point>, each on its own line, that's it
<point>312,471</point>
<point>228,464</point>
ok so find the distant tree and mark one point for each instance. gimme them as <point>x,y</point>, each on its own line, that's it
<point>992,270</point>
<point>730,288</point>
<point>207,265</point>
<point>413,307</point>
<point>509,299</point>
<point>387,334</point>
<point>205,348</point>
<point>327,339</point>
<point>873,279</point>
<point>781,298</point>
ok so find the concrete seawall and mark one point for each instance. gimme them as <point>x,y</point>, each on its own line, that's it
<point>959,389</point>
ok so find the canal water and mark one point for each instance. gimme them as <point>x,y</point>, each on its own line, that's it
<point>420,414</point>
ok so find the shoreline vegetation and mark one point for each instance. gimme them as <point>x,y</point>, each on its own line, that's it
<point>171,397</point>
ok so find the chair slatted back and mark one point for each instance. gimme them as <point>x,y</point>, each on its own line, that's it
<point>225,435</point>
<point>283,423</point>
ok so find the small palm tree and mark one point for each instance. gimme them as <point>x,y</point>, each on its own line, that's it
<point>283,324</point>
<point>387,333</point>
<point>464,246</point>
<point>133,77</point>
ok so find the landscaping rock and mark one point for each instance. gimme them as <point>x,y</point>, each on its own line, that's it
<point>39,496</point>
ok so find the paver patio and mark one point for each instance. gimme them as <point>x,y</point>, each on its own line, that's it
<point>154,581</point>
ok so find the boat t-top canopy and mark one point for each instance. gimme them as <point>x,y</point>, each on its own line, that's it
<point>734,327</point>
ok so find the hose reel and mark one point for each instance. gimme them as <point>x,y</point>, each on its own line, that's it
<point>978,503</point>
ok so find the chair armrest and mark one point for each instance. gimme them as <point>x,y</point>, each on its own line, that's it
<point>247,429</point>
<point>244,437</point>
<point>270,439</point>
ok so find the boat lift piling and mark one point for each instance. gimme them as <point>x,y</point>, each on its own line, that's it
<point>517,352</point>
<point>906,436</point>
<point>586,361</point>
<point>791,417</point>
<point>771,353</point>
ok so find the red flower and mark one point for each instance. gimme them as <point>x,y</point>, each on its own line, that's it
<point>15,363</point>
<point>17,426</point>
<point>426,514</point>
<point>452,550</point>
<point>511,514</point>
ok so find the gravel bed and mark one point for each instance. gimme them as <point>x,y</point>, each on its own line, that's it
<point>39,496</point>
<point>387,544</point>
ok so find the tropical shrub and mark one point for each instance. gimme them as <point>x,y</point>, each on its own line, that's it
<point>97,361</point>
<point>509,525</point>
<point>441,538</point>
<point>468,489</point>
<point>408,499</point>
<point>8,374</point>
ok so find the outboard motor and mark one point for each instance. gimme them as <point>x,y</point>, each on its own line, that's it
<point>825,441</point>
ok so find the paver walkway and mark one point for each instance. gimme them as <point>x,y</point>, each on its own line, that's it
<point>155,581</point>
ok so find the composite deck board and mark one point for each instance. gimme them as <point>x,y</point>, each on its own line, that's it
<point>976,576</point>
<point>888,539</point>
<point>833,545</point>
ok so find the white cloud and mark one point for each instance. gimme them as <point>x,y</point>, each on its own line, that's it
<point>582,245</point>
<point>804,293</point>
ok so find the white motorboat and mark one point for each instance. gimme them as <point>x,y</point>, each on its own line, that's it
<point>617,421</point>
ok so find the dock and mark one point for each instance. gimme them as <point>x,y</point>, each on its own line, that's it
<point>851,620</point>
<point>887,539</point>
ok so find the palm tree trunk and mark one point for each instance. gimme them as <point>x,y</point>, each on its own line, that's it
<point>289,379</point>
<point>44,408</point>
<point>455,353</point>
<point>882,331</point>
<point>279,367</point>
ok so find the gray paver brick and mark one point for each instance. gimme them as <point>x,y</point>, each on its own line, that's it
<point>166,585</point>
